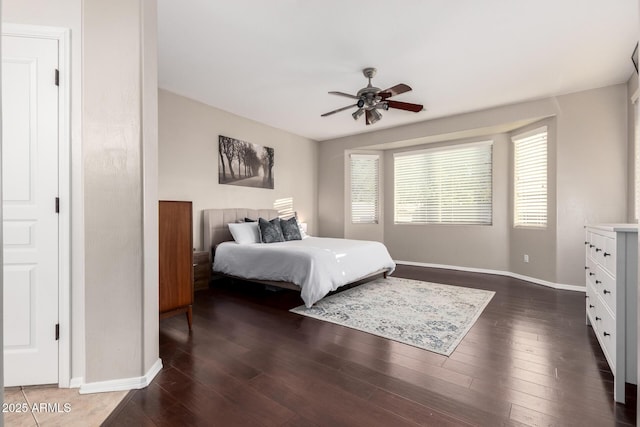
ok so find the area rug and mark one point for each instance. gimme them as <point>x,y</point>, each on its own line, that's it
<point>431,316</point>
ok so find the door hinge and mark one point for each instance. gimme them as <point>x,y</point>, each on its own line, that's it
<point>57,204</point>
<point>57,77</point>
<point>57,331</point>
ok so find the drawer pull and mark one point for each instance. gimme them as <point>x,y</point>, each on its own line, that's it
<point>592,246</point>
<point>586,268</point>
<point>586,243</point>
<point>598,318</point>
<point>606,254</point>
<point>592,274</point>
<point>598,282</point>
<point>606,292</point>
<point>598,249</point>
<point>606,334</point>
<point>591,305</point>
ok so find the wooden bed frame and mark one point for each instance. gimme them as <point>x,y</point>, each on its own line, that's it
<point>216,231</point>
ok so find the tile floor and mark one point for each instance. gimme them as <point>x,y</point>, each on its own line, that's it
<point>52,406</point>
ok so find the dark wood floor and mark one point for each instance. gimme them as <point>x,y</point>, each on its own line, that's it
<point>529,360</point>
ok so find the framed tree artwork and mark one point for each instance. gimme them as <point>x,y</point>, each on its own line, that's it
<point>243,163</point>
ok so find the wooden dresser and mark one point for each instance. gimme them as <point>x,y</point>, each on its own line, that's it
<point>176,258</point>
<point>611,253</point>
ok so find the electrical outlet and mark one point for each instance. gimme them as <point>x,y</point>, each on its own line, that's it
<point>526,258</point>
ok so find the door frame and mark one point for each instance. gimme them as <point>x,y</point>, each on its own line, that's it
<point>63,37</point>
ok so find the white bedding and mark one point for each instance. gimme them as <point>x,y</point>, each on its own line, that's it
<point>318,265</point>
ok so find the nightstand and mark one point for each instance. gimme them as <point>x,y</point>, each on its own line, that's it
<point>201,270</point>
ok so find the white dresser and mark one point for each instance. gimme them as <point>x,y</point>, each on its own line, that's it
<point>611,279</point>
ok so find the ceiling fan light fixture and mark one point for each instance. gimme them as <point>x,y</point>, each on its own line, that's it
<point>374,116</point>
<point>357,113</point>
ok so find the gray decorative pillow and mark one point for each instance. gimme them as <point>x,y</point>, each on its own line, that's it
<point>290,229</point>
<point>270,231</point>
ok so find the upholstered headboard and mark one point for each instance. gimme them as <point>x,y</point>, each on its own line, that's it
<point>215,227</point>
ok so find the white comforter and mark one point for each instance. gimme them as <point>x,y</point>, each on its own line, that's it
<point>318,265</point>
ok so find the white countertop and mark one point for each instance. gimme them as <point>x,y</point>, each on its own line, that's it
<point>615,227</point>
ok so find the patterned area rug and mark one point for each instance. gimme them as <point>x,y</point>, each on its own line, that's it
<point>431,316</point>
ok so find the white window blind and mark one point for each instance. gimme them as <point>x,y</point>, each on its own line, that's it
<point>530,179</point>
<point>365,188</point>
<point>451,185</point>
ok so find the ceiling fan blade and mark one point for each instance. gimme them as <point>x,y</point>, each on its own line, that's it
<point>405,106</point>
<point>338,110</point>
<point>395,90</point>
<point>343,94</point>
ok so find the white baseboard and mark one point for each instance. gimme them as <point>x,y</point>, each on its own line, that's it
<point>124,383</point>
<point>560,286</point>
<point>76,382</point>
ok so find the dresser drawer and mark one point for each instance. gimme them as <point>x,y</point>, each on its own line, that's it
<point>594,311</point>
<point>595,245</point>
<point>591,303</point>
<point>606,332</point>
<point>606,288</point>
<point>609,255</point>
<point>602,249</point>
<point>601,322</point>
<point>591,270</point>
<point>587,243</point>
<point>201,270</point>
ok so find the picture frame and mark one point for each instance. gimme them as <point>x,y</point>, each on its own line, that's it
<point>245,164</point>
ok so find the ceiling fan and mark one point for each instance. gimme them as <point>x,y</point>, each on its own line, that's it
<point>371,99</point>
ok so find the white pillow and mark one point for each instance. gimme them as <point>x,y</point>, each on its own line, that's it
<point>245,233</point>
<point>302,226</point>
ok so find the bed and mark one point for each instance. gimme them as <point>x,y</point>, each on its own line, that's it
<point>314,266</point>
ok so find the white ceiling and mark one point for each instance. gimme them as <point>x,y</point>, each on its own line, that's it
<point>275,61</point>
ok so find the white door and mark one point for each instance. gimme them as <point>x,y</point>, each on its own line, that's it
<point>30,224</point>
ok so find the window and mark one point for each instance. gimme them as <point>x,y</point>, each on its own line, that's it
<point>530,179</point>
<point>365,188</point>
<point>450,185</point>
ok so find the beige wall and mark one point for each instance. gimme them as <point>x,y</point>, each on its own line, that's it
<point>117,149</point>
<point>591,171</point>
<point>149,94</point>
<point>188,161</point>
<point>586,128</point>
<point>112,188</point>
